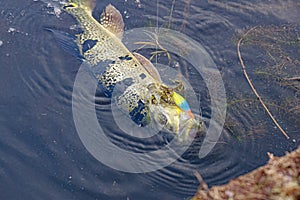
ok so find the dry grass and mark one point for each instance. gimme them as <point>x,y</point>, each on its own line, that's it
<point>278,180</point>
<point>252,86</point>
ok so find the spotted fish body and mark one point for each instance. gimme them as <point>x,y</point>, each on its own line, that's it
<point>141,93</point>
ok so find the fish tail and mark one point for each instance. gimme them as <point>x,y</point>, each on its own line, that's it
<point>86,4</point>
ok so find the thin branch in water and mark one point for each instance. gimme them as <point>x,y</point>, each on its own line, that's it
<point>293,79</point>
<point>252,86</point>
<point>186,12</point>
<point>171,13</point>
<point>202,183</point>
<point>295,109</point>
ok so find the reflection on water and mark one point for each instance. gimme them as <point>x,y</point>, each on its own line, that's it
<point>41,153</point>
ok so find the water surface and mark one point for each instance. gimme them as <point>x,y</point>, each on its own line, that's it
<point>41,153</point>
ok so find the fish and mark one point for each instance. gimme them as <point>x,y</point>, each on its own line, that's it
<point>127,76</point>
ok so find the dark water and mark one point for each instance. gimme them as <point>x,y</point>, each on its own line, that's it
<point>41,154</point>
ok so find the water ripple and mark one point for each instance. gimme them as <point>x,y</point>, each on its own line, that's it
<point>39,141</point>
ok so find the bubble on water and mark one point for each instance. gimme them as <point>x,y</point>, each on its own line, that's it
<point>10,30</point>
<point>57,11</point>
<point>138,2</point>
<point>56,6</point>
<point>14,30</point>
<point>1,43</point>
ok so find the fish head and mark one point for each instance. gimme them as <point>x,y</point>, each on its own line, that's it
<point>175,120</point>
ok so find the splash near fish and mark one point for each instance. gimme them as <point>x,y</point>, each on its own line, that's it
<point>142,95</point>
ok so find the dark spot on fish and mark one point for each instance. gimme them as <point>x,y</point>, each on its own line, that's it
<point>100,67</point>
<point>138,115</point>
<point>69,6</point>
<point>122,86</point>
<point>78,30</point>
<point>143,76</point>
<point>106,89</point>
<point>128,81</point>
<point>88,44</point>
<point>127,57</point>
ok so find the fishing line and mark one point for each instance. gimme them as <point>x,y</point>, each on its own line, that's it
<point>156,31</point>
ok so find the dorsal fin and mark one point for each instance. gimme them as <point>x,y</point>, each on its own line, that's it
<point>112,20</point>
<point>149,67</point>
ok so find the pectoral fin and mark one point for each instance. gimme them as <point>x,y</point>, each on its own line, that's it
<point>112,20</point>
<point>67,42</point>
<point>149,67</point>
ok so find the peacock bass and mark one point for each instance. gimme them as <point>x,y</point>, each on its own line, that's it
<point>141,92</point>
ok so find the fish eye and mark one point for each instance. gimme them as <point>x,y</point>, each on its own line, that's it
<point>162,119</point>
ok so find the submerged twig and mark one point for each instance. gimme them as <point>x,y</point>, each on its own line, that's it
<point>293,79</point>
<point>295,109</point>
<point>203,185</point>
<point>252,86</point>
<point>185,14</point>
<point>171,13</point>
<point>154,42</point>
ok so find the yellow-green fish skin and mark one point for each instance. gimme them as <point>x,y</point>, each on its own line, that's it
<point>110,48</point>
<point>141,90</point>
